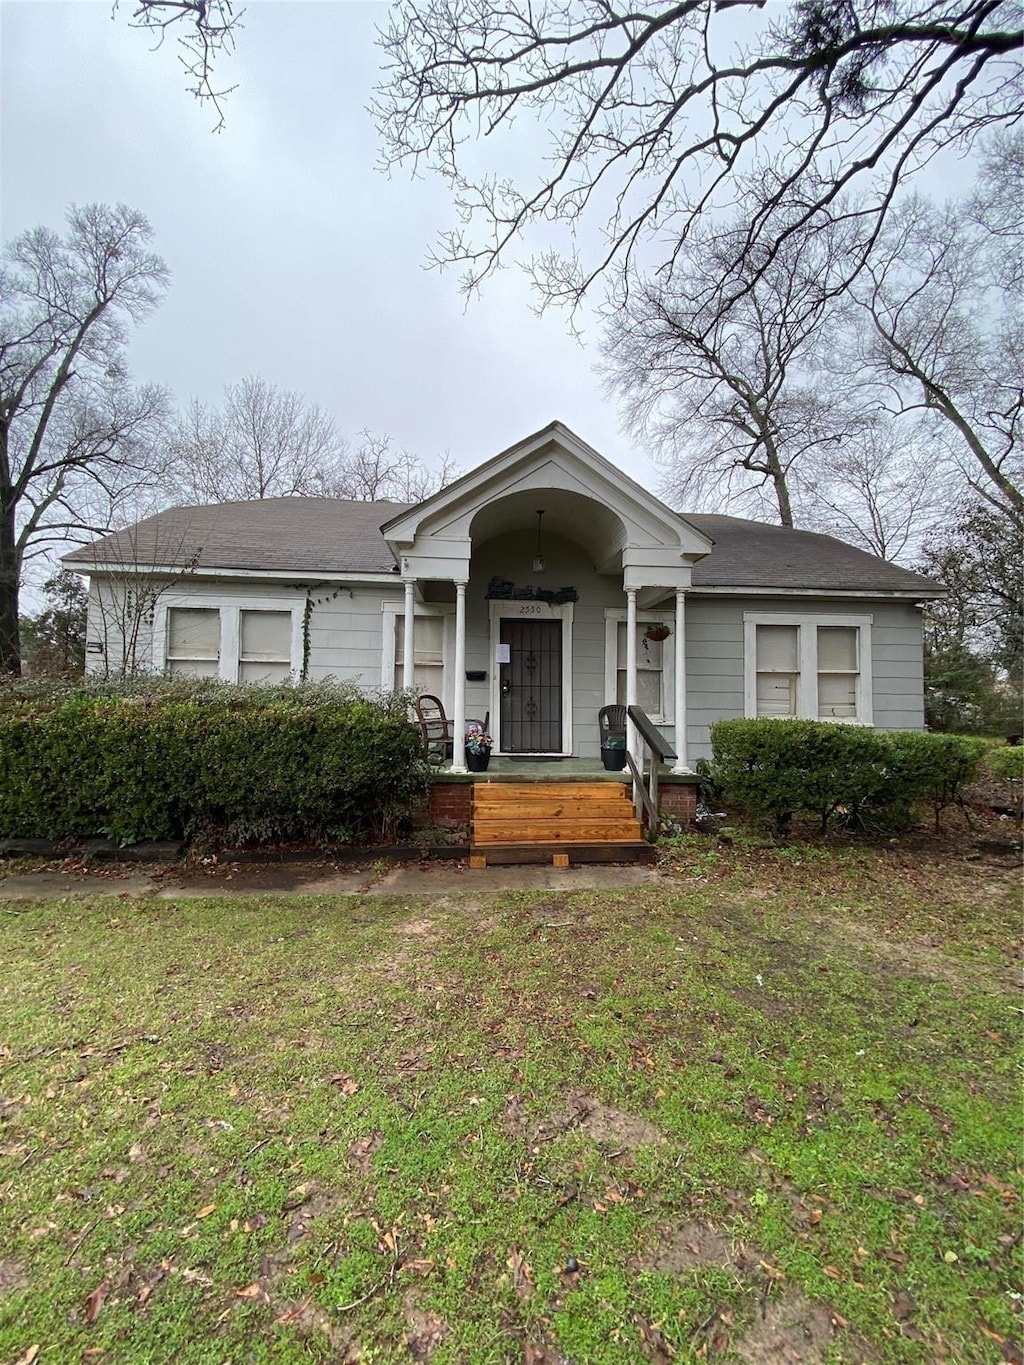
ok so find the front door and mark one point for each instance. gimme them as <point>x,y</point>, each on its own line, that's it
<point>531,687</point>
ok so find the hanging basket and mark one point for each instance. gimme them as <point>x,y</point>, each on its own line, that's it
<point>657,632</point>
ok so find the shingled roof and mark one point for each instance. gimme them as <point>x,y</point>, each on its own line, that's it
<point>311,536</point>
<point>756,554</point>
<point>276,535</point>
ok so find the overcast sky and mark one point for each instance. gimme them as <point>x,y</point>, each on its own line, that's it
<point>292,256</point>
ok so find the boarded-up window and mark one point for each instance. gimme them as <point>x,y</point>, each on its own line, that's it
<point>838,671</point>
<point>265,646</point>
<point>428,653</point>
<point>778,670</point>
<point>193,641</point>
<point>649,671</point>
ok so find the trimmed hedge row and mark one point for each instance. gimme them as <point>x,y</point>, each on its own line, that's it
<point>171,760</point>
<point>843,774</point>
<point>1006,763</point>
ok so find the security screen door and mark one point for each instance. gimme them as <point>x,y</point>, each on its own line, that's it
<point>531,687</point>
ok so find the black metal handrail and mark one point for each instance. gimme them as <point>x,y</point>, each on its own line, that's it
<point>655,746</point>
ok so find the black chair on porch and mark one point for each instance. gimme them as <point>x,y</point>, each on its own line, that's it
<point>611,721</point>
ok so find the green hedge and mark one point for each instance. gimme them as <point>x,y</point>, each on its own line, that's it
<point>845,774</point>
<point>169,760</point>
<point>1006,764</point>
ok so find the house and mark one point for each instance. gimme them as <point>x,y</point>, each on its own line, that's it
<point>533,590</point>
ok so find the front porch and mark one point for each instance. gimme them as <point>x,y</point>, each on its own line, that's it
<point>535,591</point>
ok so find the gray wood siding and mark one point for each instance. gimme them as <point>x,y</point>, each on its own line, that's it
<point>714,666</point>
<point>345,632</point>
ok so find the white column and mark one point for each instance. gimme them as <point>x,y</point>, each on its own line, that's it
<point>681,764</point>
<point>631,666</point>
<point>408,636</point>
<point>459,690</point>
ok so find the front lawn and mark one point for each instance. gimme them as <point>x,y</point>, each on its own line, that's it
<point>766,1110</point>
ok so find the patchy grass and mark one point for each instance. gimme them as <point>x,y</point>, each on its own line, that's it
<point>764,1111</point>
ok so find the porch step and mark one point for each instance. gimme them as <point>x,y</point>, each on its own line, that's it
<point>537,821</point>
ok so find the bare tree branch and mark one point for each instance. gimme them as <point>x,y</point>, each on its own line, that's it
<point>655,118</point>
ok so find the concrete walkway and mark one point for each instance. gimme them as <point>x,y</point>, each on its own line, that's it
<point>298,879</point>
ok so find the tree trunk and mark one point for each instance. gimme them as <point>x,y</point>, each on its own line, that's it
<point>10,640</point>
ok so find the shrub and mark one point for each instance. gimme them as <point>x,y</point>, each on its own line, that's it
<point>155,759</point>
<point>777,769</point>
<point>1006,764</point>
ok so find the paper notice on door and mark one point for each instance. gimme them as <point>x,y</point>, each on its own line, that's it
<point>502,654</point>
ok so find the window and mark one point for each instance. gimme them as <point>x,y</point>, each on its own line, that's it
<point>811,667</point>
<point>265,646</point>
<point>838,671</point>
<point>653,686</point>
<point>235,641</point>
<point>193,641</point>
<point>431,643</point>
<point>778,669</point>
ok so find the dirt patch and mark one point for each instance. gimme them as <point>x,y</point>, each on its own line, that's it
<point>606,1126</point>
<point>919,955</point>
<point>679,1250</point>
<point>12,1277</point>
<point>308,1320</point>
<point>425,1332</point>
<point>419,928</point>
<point>792,1330</point>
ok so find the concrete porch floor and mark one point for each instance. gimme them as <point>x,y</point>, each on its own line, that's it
<point>550,770</point>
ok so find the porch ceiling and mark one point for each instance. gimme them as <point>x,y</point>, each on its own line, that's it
<point>587,522</point>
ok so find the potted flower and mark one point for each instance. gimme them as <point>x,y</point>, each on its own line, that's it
<point>478,749</point>
<point>613,753</point>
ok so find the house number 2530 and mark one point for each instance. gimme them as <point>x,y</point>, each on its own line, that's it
<point>533,609</point>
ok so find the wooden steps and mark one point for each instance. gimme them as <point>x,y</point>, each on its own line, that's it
<point>556,821</point>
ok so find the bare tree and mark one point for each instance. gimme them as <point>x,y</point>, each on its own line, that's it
<point>877,489</point>
<point>714,366</point>
<point>945,336</point>
<point>379,470</point>
<point>656,117</point>
<point>264,442</point>
<point>75,436</point>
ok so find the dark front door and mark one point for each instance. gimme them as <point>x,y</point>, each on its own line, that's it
<point>531,687</point>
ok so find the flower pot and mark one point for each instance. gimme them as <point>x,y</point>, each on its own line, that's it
<point>614,759</point>
<point>477,763</point>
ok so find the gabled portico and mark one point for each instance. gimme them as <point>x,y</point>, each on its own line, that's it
<point>541,551</point>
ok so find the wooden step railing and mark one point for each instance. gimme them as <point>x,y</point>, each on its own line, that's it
<point>653,750</point>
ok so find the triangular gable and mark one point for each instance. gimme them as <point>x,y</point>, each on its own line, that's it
<point>553,458</point>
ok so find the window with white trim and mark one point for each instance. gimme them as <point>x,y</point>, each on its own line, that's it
<point>193,641</point>
<point>428,653</point>
<point>433,644</point>
<point>808,667</point>
<point>264,639</point>
<point>653,683</point>
<point>254,641</point>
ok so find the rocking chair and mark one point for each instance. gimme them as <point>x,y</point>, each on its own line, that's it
<point>437,731</point>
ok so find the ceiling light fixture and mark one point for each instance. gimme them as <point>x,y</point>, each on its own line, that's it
<point>538,562</point>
